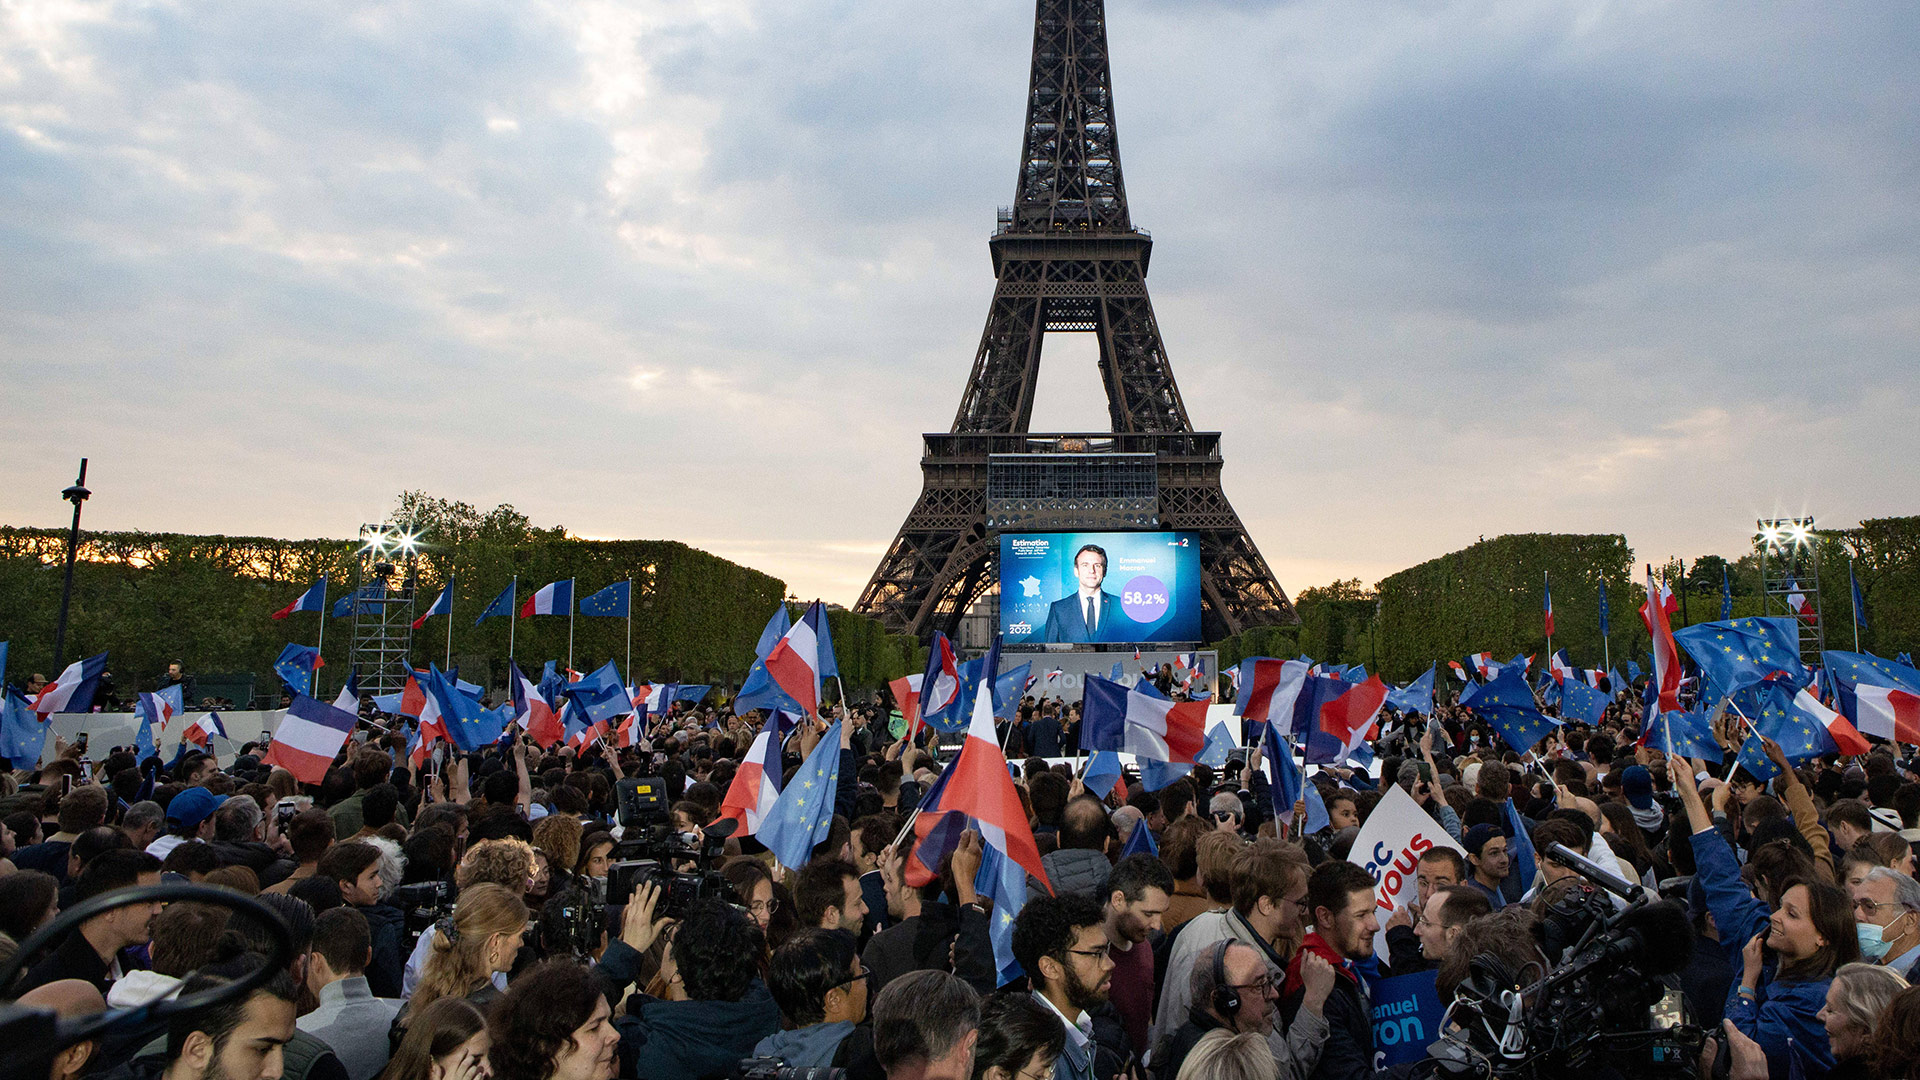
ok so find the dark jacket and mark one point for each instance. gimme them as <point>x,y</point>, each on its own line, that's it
<point>1078,870</point>
<point>1403,952</point>
<point>1348,1053</point>
<point>1168,1059</point>
<point>74,959</point>
<point>1043,737</point>
<point>873,889</point>
<point>255,856</point>
<point>388,928</point>
<point>48,856</point>
<point>695,1038</point>
<point>941,938</point>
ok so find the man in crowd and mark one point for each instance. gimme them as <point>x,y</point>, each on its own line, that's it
<point>1887,907</point>
<point>81,809</point>
<point>827,894</point>
<point>370,767</point>
<point>1340,895</point>
<point>69,999</point>
<point>93,951</point>
<point>189,820</point>
<point>348,1009</point>
<point>240,1039</point>
<point>1487,853</point>
<point>817,980</point>
<point>1441,917</point>
<point>1138,893</point>
<point>1438,868</point>
<point>1231,988</point>
<point>1061,943</point>
<point>925,1026</point>
<point>1080,863</point>
<point>355,866</point>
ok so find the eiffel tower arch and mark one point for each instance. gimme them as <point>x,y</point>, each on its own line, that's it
<point>1068,259</point>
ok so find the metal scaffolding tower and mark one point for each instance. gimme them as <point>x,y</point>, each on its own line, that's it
<point>1790,575</point>
<point>383,608</point>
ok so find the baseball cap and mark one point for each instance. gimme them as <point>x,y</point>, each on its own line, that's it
<point>1636,783</point>
<point>1478,836</point>
<point>193,806</point>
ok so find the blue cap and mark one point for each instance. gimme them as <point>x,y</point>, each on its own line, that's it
<point>1636,783</point>
<point>1478,836</point>
<point>192,806</point>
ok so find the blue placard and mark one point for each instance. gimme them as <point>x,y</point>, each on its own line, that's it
<point>1141,587</point>
<point>1406,1018</point>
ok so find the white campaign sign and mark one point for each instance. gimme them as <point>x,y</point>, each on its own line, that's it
<point>1389,847</point>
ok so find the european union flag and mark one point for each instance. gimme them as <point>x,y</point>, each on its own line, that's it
<point>615,601</point>
<point>1103,768</point>
<point>1520,847</point>
<point>501,605</point>
<point>1726,594</point>
<point>803,814</point>
<point>1003,881</point>
<point>1506,702</point>
<point>1218,748</point>
<point>1603,609</point>
<point>1008,689</point>
<point>1581,702</point>
<point>1416,696</point>
<point>296,665</point>
<point>1155,775</point>
<point>1859,602</point>
<point>1633,671</point>
<point>1737,654</point>
<point>22,736</point>
<point>1853,668</point>
<point>1141,842</point>
<point>1802,737</point>
<point>1685,734</point>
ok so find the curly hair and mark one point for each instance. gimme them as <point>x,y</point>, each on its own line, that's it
<point>536,1018</point>
<point>559,836</point>
<point>507,863</point>
<point>718,950</point>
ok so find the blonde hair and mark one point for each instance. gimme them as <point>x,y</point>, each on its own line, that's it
<point>457,964</point>
<point>1222,1055</point>
<point>1865,992</point>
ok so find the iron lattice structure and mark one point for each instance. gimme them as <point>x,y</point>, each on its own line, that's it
<point>1068,259</point>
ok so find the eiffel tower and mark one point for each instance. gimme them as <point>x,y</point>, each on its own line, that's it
<point>1068,260</point>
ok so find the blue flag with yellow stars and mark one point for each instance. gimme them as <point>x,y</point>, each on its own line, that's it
<point>1506,702</point>
<point>1854,668</point>
<point>1581,702</point>
<point>1803,737</point>
<point>1686,734</point>
<point>803,815</point>
<point>1741,652</point>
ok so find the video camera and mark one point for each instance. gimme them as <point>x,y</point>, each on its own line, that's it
<point>685,865</point>
<point>1599,1011</point>
<point>424,903</point>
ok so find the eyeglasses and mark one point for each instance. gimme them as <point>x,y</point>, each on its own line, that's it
<point>1024,1075</point>
<point>1300,903</point>
<point>850,980</point>
<point>1100,953</point>
<point>765,907</point>
<point>1258,986</point>
<point>1869,907</point>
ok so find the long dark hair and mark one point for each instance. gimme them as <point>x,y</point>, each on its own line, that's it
<point>431,1033</point>
<point>1831,912</point>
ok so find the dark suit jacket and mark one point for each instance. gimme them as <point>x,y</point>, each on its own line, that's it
<point>1067,621</point>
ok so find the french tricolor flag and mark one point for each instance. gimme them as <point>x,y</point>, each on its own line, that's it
<point>314,599</point>
<point>1146,725</point>
<point>756,784</point>
<point>157,709</point>
<point>1547,606</point>
<point>1885,711</point>
<point>73,690</point>
<point>309,738</point>
<point>1666,655</point>
<point>1844,735</point>
<point>1269,688</point>
<point>554,599</point>
<point>442,605</point>
<point>201,731</point>
<point>906,694</point>
<point>795,662</point>
<point>532,711</point>
<point>939,687</point>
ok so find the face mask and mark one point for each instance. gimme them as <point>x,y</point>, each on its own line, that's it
<point>1872,945</point>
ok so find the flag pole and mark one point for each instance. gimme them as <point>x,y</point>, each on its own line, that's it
<point>572,608</point>
<point>320,643</point>
<point>513,616</point>
<point>629,629</point>
<point>1853,589</point>
<point>449,622</point>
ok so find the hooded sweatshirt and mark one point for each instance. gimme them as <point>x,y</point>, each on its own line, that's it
<point>807,1047</point>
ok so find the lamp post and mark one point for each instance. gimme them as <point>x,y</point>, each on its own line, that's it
<point>76,495</point>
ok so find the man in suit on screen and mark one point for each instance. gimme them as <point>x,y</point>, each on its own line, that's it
<point>1089,613</point>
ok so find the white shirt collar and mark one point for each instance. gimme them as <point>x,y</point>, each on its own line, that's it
<point>1079,1030</point>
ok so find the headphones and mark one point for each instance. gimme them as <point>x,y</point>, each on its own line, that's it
<point>1226,998</point>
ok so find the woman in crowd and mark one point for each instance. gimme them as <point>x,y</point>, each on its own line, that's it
<point>553,1023</point>
<point>1857,997</point>
<point>447,1041</point>
<point>482,937</point>
<point>29,900</point>
<point>1895,1048</point>
<point>1222,1055</point>
<point>1810,934</point>
<point>1019,1037</point>
<point>754,886</point>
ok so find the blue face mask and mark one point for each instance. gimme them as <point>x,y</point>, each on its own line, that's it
<point>1872,945</point>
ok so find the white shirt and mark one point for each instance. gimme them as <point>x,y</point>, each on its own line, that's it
<point>1079,1030</point>
<point>164,846</point>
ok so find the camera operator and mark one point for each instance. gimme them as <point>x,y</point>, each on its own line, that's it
<point>714,956</point>
<point>311,834</point>
<point>817,981</point>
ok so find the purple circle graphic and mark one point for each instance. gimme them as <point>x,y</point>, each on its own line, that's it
<point>1144,599</point>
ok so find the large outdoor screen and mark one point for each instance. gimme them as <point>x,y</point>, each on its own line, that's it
<point>1079,588</point>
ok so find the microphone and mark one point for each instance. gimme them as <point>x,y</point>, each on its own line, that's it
<point>1587,868</point>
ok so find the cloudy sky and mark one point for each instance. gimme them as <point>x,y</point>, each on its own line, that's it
<point>705,269</point>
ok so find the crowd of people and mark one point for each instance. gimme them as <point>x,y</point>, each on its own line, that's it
<point>497,915</point>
